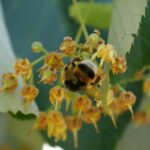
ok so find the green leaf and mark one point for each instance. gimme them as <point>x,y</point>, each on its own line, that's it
<point>125,22</point>
<point>22,116</point>
<point>135,138</point>
<point>129,33</point>
<point>96,15</point>
<point>10,102</point>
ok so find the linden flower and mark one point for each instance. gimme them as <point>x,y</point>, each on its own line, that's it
<point>91,116</point>
<point>119,66</point>
<point>127,100</point>
<point>68,46</point>
<point>115,108</point>
<point>23,68</point>
<point>107,53</point>
<point>56,125</point>
<point>40,123</point>
<point>82,103</point>
<point>9,82</point>
<point>74,124</point>
<point>56,96</point>
<point>140,118</point>
<point>146,86</point>
<point>139,74</point>
<point>54,60</point>
<point>29,93</point>
<point>48,75</point>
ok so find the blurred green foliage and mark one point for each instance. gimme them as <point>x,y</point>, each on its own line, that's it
<point>96,15</point>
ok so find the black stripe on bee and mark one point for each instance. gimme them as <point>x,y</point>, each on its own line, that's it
<point>74,86</point>
<point>71,85</point>
<point>89,72</point>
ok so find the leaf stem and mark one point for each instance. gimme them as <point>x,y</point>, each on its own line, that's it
<point>38,60</point>
<point>78,35</point>
<point>45,51</point>
<point>121,88</point>
<point>81,20</point>
<point>31,81</point>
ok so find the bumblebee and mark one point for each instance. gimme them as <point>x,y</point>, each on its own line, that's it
<point>80,74</point>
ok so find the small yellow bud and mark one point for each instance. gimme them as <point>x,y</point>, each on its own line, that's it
<point>37,47</point>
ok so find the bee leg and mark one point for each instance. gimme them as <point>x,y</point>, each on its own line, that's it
<point>98,78</point>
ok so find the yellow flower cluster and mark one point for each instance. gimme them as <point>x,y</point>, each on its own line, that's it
<point>23,70</point>
<point>76,75</point>
<point>123,102</point>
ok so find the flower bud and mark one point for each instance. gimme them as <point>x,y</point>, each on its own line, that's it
<point>37,47</point>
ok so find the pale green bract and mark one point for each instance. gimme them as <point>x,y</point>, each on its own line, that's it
<point>10,102</point>
<point>14,131</point>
